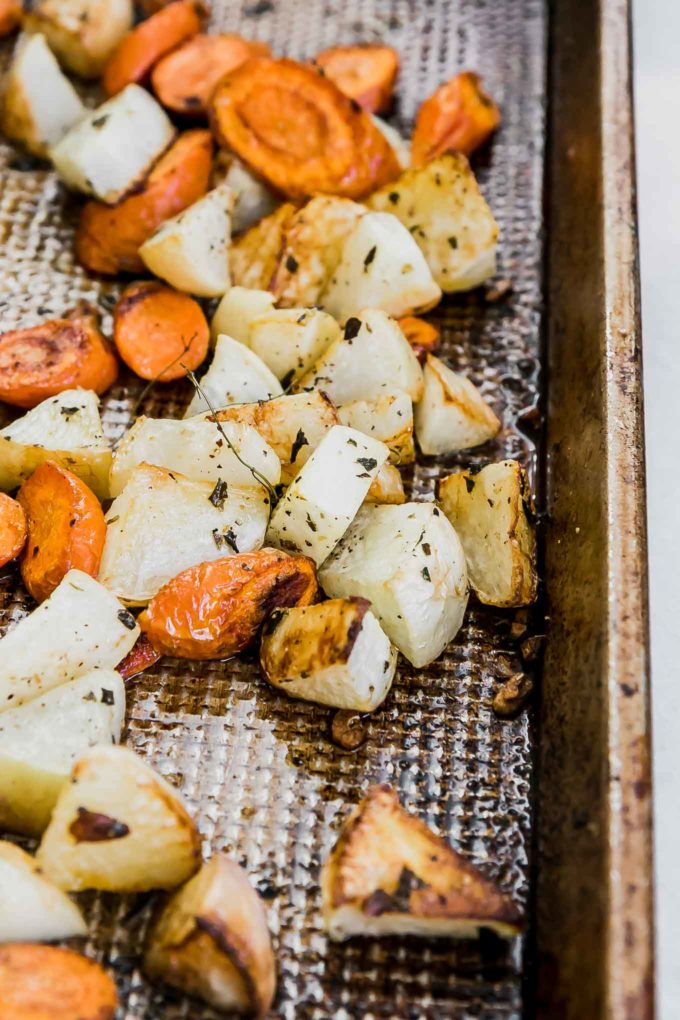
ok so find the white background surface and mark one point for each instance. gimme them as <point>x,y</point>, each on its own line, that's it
<point>657,84</point>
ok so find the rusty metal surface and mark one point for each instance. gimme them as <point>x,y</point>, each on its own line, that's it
<point>259,771</point>
<point>594,881</point>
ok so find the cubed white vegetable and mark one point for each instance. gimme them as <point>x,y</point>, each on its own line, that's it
<point>39,104</point>
<point>118,826</point>
<point>291,340</point>
<point>111,150</point>
<point>33,910</point>
<point>381,267</point>
<point>448,217</point>
<point>389,419</point>
<point>163,523</point>
<point>491,511</point>
<point>452,414</point>
<point>408,561</point>
<point>312,247</point>
<point>334,653</point>
<point>82,33</point>
<point>373,357</point>
<point>236,376</point>
<point>254,200</point>
<point>198,449</point>
<point>191,251</point>
<point>236,311</point>
<point>80,627</point>
<point>67,429</point>
<point>293,425</point>
<point>41,740</point>
<point>323,498</point>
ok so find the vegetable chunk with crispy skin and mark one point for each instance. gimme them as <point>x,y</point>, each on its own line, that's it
<point>389,874</point>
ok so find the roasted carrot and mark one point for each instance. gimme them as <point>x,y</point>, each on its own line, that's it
<point>185,80</point>
<point>365,73</point>
<point>140,657</point>
<point>109,237</point>
<point>62,354</point>
<point>422,336</point>
<point>458,117</point>
<point>215,609</point>
<point>297,130</point>
<point>66,528</point>
<point>159,332</point>
<point>10,15</point>
<point>48,983</point>
<point>12,528</point>
<point>140,49</point>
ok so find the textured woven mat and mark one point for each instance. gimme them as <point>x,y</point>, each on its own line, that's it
<point>258,770</point>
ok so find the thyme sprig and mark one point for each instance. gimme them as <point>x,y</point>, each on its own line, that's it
<point>257,475</point>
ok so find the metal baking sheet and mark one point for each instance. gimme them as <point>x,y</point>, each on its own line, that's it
<point>259,771</point>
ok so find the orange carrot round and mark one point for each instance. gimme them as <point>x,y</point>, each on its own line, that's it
<point>185,80</point>
<point>159,332</point>
<point>365,73</point>
<point>10,16</point>
<point>109,237</point>
<point>140,657</point>
<point>422,336</point>
<point>140,49</point>
<point>66,528</point>
<point>40,361</point>
<point>458,117</point>
<point>49,983</point>
<point>297,130</point>
<point>12,528</point>
<point>214,610</point>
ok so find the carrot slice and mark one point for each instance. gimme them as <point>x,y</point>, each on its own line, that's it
<point>66,528</point>
<point>458,117</point>
<point>297,130</point>
<point>159,332</point>
<point>140,49</point>
<point>422,336</point>
<point>140,657</point>
<point>215,609</point>
<point>10,15</point>
<point>40,361</point>
<point>48,983</point>
<point>12,528</point>
<point>109,237</point>
<point>365,73</point>
<point>185,80</point>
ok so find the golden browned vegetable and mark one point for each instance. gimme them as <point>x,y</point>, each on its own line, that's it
<point>380,850</point>
<point>118,826</point>
<point>214,610</point>
<point>491,511</point>
<point>254,255</point>
<point>211,940</point>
